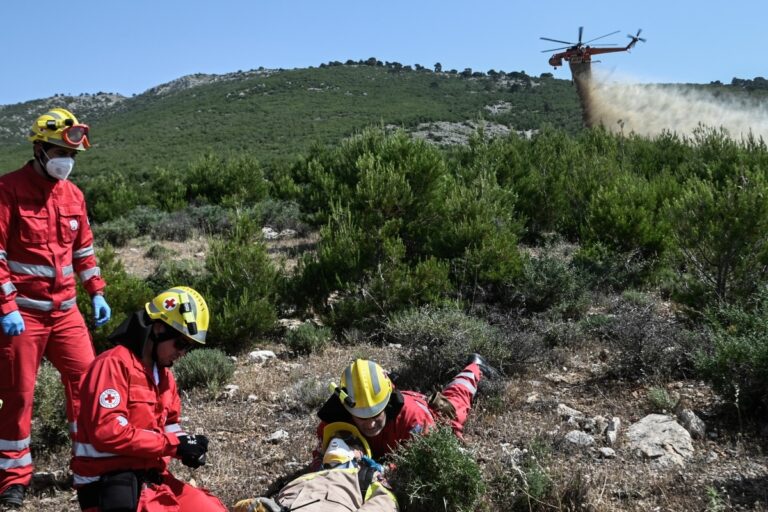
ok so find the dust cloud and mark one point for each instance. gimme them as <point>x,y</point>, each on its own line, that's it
<point>648,110</point>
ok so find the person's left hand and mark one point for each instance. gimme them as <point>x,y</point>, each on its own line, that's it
<point>372,463</point>
<point>101,310</point>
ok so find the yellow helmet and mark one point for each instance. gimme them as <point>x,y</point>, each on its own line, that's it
<point>59,126</point>
<point>183,309</point>
<point>344,431</point>
<point>368,388</point>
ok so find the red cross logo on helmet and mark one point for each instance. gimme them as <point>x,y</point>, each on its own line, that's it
<point>169,304</point>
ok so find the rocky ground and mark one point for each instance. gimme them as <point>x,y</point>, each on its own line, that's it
<point>262,431</point>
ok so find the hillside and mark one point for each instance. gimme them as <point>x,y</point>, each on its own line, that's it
<point>281,113</point>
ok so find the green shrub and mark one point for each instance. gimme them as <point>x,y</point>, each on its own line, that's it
<point>240,285</point>
<point>50,429</point>
<point>434,474</point>
<point>548,282</point>
<point>204,368</point>
<point>177,226</point>
<point>603,268</point>
<point>280,215</point>
<point>159,252</point>
<point>228,181</point>
<point>660,400</point>
<point>308,339</point>
<point>736,358</point>
<point>144,217</point>
<point>309,394</point>
<point>116,232</point>
<point>437,342</point>
<point>124,293</point>
<point>719,226</point>
<point>171,272</point>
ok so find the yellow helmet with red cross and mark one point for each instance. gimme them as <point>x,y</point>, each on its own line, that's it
<point>182,308</point>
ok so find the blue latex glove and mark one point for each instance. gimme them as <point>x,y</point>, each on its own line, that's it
<point>12,323</point>
<point>101,310</point>
<point>372,463</point>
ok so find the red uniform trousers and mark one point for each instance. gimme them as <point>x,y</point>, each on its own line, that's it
<point>60,336</point>
<point>174,495</point>
<point>460,392</point>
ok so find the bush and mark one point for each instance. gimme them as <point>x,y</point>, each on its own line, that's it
<point>240,285</point>
<point>434,474</point>
<point>736,361</point>
<point>176,226</point>
<point>281,215</point>
<point>548,282</point>
<point>603,268</point>
<point>170,273</point>
<point>207,368</point>
<point>660,401</point>
<point>50,429</point>
<point>308,339</point>
<point>124,293</point>
<point>438,342</point>
<point>643,344</point>
<point>116,232</point>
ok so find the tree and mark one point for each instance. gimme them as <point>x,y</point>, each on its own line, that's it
<point>438,67</point>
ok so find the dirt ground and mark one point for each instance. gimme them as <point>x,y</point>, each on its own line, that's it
<point>729,470</point>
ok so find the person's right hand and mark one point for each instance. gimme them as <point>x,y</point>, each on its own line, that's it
<point>12,323</point>
<point>192,450</point>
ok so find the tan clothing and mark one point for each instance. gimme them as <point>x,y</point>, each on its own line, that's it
<point>335,490</point>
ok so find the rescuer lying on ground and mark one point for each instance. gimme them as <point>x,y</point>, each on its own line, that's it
<point>128,426</point>
<point>386,416</point>
<point>350,480</point>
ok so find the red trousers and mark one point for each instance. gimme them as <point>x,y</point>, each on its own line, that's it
<point>61,337</point>
<point>174,495</point>
<point>460,392</point>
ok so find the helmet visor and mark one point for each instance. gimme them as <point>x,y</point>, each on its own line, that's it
<point>76,134</point>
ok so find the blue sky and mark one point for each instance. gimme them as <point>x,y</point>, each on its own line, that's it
<point>129,46</point>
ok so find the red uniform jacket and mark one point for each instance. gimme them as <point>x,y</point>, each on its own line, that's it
<point>45,240</point>
<point>125,421</point>
<point>407,414</point>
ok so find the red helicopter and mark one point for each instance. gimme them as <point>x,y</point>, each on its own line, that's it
<point>581,52</point>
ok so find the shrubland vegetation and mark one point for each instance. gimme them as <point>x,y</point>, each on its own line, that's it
<point>515,247</point>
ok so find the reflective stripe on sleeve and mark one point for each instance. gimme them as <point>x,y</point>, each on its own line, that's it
<point>463,382</point>
<point>3,255</point>
<point>173,428</point>
<point>87,450</point>
<point>7,288</point>
<point>89,273</point>
<point>82,253</point>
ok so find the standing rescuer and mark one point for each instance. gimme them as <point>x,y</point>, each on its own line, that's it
<point>45,241</point>
<point>128,425</point>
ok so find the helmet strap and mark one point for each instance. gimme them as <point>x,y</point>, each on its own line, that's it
<point>42,162</point>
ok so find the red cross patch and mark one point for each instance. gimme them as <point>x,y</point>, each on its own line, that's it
<point>169,304</point>
<point>109,398</point>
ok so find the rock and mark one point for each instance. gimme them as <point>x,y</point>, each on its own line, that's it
<point>230,390</point>
<point>278,436</point>
<point>253,398</point>
<point>567,413</point>
<point>261,356</point>
<point>607,453</point>
<point>692,423</point>
<point>269,233</point>
<point>532,398</point>
<point>612,430</point>
<point>513,456</point>
<point>579,438</point>
<point>661,439</point>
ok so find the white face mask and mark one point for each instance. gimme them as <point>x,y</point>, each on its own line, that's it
<point>60,167</point>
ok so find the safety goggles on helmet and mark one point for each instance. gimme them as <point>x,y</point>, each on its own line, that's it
<point>73,134</point>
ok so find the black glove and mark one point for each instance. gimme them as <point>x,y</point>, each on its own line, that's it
<point>192,450</point>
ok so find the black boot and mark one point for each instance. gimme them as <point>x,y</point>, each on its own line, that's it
<point>13,496</point>
<point>489,372</point>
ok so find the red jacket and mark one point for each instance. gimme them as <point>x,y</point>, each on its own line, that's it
<point>405,417</point>
<point>126,421</point>
<point>45,240</point>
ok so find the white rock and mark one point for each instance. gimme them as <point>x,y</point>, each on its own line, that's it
<point>607,453</point>
<point>692,423</point>
<point>276,437</point>
<point>261,356</point>
<point>579,438</point>
<point>567,413</point>
<point>612,430</point>
<point>661,439</point>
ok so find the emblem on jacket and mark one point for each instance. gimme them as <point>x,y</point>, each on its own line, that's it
<point>109,398</point>
<point>73,225</point>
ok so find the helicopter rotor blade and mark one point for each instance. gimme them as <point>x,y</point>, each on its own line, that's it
<point>556,41</point>
<point>606,35</point>
<point>555,49</point>
<point>581,31</point>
